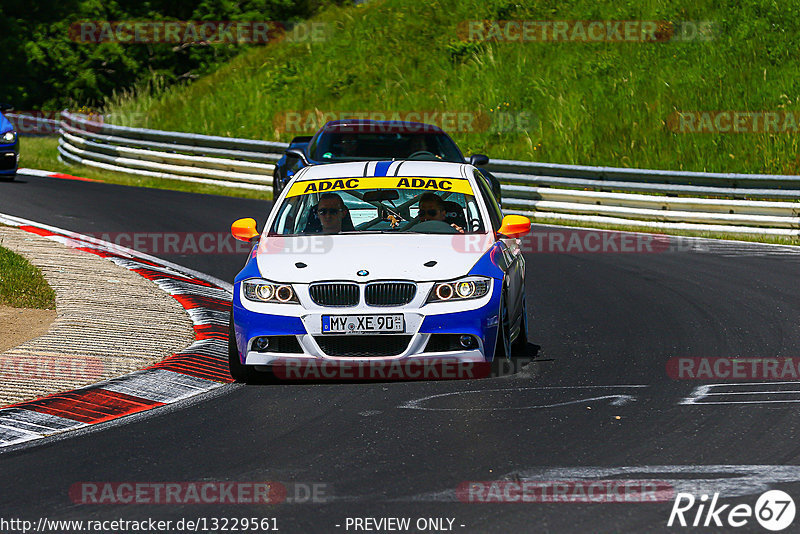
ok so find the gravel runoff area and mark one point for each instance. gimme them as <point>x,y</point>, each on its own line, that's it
<point>109,321</point>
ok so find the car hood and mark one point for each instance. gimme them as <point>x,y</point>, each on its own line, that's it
<point>5,124</point>
<point>306,259</point>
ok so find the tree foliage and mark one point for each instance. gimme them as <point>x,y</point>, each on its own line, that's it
<point>42,67</point>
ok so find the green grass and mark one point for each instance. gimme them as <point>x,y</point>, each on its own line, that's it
<point>592,103</point>
<point>588,103</point>
<point>41,153</point>
<point>22,284</point>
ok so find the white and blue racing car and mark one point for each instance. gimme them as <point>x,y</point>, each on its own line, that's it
<point>375,262</point>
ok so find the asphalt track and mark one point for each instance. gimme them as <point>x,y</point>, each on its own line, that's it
<point>597,396</point>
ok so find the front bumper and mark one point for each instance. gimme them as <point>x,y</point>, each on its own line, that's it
<point>9,159</point>
<point>477,318</point>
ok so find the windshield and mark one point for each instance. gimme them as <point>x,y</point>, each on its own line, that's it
<point>350,146</point>
<point>379,204</point>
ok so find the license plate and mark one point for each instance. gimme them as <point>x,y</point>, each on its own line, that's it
<point>362,324</point>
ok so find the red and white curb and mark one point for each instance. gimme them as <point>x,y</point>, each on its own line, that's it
<point>199,368</point>
<point>50,174</point>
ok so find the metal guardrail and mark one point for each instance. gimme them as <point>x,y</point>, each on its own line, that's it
<point>226,161</point>
<point>29,125</point>
<point>670,200</point>
<point>716,202</point>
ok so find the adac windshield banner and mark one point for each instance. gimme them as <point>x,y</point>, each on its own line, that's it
<point>451,185</point>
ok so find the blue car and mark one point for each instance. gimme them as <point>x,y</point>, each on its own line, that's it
<point>343,141</point>
<point>9,147</point>
<point>379,267</point>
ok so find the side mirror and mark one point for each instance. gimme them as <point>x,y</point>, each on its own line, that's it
<point>515,226</point>
<point>244,229</point>
<point>297,154</point>
<point>301,139</point>
<point>478,160</point>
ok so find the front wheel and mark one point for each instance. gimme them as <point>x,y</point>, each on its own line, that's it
<point>502,347</point>
<point>239,372</point>
<point>519,348</point>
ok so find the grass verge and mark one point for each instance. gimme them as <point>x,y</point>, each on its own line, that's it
<point>560,101</point>
<point>22,284</point>
<point>598,103</point>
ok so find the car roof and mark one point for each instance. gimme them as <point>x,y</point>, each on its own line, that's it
<point>386,168</point>
<point>357,126</point>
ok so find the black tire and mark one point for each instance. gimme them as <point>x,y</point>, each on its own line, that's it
<point>519,348</point>
<point>239,372</point>
<point>502,346</point>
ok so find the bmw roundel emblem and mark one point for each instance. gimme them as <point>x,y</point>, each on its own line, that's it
<point>362,272</point>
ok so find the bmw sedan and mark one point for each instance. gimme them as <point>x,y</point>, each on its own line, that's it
<point>380,262</point>
<point>9,149</point>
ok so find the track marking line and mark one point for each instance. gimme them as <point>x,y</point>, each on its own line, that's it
<point>709,391</point>
<point>619,399</point>
<point>730,481</point>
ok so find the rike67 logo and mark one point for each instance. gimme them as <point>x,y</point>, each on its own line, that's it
<point>774,510</point>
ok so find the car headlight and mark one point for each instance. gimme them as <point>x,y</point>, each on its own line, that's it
<point>264,291</point>
<point>471,287</point>
<point>9,137</point>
